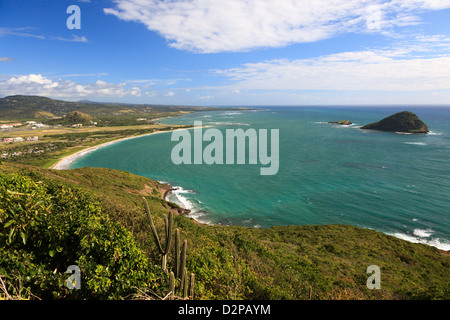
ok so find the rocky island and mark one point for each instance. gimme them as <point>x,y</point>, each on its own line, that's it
<point>342,122</point>
<point>404,122</point>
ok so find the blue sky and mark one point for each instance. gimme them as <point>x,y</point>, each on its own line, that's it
<point>234,52</point>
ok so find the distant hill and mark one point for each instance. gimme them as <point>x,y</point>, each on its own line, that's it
<point>20,107</point>
<point>75,117</point>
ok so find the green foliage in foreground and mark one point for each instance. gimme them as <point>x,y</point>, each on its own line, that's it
<point>229,262</point>
<point>45,228</point>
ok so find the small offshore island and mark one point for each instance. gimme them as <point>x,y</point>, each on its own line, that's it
<point>403,122</point>
<point>342,122</point>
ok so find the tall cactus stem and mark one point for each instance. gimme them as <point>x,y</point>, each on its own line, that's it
<point>164,262</point>
<point>168,228</point>
<point>172,285</point>
<point>191,289</point>
<point>152,226</point>
<point>168,235</point>
<point>185,284</point>
<point>177,253</point>
<point>183,258</point>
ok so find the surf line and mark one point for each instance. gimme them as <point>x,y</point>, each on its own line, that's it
<point>230,151</point>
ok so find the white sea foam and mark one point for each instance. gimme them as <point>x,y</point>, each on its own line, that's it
<point>178,198</point>
<point>230,113</point>
<point>423,233</point>
<point>434,133</point>
<point>176,195</point>
<point>404,133</point>
<point>416,143</point>
<point>230,124</point>
<point>435,242</point>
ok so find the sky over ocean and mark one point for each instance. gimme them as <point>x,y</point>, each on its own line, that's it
<point>267,52</point>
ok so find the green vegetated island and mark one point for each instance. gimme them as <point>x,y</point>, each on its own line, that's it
<point>401,122</point>
<point>130,243</point>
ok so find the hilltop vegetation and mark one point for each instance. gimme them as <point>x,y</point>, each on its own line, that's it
<point>94,218</point>
<point>38,108</point>
<point>73,117</point>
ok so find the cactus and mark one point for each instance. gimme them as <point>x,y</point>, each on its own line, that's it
<point>168,235</point>
<point>172,285</point>
<point>185,284</point>
<point>191,290</point>
<point>177,253</point>
<point>182,266</point>
<point>179,271</point>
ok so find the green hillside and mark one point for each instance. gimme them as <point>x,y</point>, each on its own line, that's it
<point>76,117</point>
<point>22,107</point>
<point>95,218</point>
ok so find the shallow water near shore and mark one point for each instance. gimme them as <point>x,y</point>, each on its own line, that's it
<point>329,174</point>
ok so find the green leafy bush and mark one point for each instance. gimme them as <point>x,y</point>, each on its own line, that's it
<point>45,228</point>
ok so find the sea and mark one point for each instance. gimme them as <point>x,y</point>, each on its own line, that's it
<point>398,184</point>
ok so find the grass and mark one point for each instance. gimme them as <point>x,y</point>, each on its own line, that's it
<point>282,262</point>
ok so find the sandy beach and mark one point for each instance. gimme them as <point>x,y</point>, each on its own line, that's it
<point>65,162</point>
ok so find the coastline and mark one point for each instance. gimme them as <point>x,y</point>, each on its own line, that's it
<point>64,162</point>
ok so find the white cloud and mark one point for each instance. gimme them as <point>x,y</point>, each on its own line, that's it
<point>205,97</point>
<point>170,94</point>
<point>85,74</point>
<point>36,84</point>
<point>21,32</point>
<point>210,26</point>
<point>410,68</point>
<point>4,59</point>
<point>75,38</point>
<point>28,32</point>
<point>30,79</point>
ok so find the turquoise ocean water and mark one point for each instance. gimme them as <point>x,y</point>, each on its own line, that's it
<point>328,174</point>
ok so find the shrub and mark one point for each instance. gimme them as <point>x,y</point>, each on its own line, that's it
<point>45,228</point>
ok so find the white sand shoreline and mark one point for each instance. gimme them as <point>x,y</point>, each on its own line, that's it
<point>65,162</point>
